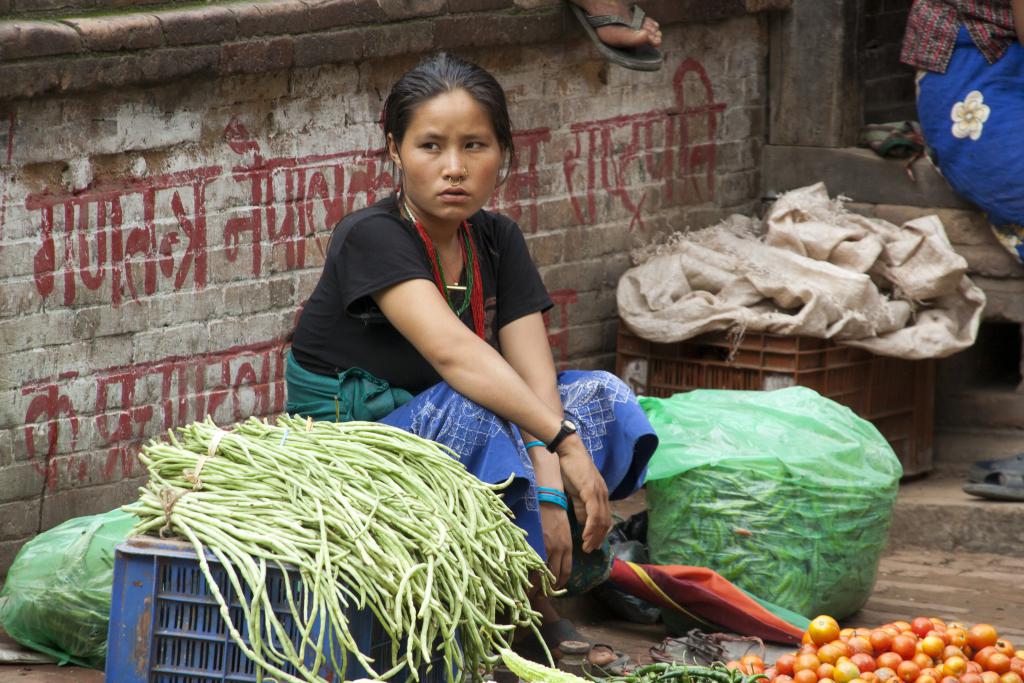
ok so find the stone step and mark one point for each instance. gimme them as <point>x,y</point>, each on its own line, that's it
<point>933,512</point>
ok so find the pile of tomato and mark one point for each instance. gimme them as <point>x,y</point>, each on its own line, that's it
<point>925,650</point>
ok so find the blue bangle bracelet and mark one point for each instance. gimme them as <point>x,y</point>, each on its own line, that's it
<point>551,492</point>
<point>534,443</point>
<point>555,500</point>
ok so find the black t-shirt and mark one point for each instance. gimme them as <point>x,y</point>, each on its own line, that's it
<point>341,327</point>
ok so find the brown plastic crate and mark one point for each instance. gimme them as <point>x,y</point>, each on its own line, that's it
<point>896,395</point>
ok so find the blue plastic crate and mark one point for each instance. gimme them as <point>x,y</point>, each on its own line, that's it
<point>166,626</point>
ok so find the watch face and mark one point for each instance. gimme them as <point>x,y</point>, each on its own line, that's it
<point>570,426</point>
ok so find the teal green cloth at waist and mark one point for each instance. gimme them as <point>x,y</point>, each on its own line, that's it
<point>354,394</point>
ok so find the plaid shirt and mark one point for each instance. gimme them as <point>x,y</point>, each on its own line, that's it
<point>933,25</point>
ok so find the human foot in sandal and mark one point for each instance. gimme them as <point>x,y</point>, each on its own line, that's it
<point>624,35</point>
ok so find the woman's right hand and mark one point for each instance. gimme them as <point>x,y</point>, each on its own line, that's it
<point>584,484</point>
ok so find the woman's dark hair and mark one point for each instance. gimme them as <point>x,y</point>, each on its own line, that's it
<point>440,74</point>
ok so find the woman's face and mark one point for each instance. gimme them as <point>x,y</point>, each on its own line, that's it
<point>449,140</point>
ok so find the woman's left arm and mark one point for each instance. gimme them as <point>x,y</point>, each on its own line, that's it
<point>524,344</point>
<point>1018,19</point>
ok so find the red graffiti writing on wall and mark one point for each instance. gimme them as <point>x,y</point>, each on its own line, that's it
<point>294,198</point>
<point>628,156</point>
<point>112,233</point>
<point>49,404</point>
<point>558,337</point>
<point>150,398</point>
<point>517,196</point>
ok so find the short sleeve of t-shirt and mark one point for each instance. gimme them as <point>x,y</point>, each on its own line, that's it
<point>373,254</point>
<point>520,290</point>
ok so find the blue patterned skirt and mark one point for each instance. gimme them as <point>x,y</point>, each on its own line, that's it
<point>973,118</point>
<point>610,422</point>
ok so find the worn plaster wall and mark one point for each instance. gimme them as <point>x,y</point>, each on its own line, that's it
<point>156,244</point>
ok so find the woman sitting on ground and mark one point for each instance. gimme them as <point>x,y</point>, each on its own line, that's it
<point>428,316</point>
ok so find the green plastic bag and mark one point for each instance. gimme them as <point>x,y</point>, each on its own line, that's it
<point>57,595</point>
<point>785,493</point>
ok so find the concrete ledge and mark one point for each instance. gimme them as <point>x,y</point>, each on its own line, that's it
<point>964,523</point>
<point>859,174</point>
<point>61,55</point>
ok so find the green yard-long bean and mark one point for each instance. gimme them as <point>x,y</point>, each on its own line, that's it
<point>370,517</point>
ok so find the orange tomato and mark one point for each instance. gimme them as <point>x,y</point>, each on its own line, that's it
<point>783,678</point>
<point>844,647</point>
<point>974,668</point>
<point>861,644</point>
<point>823,629</point>
<point>921,626</point>
<point>869,676</point>
<point>1005,647</point>
<point>1017,665</point>
<point>932,646</point>
<point>902,625</point>
<point>957,636</point>
<point>908,671</point>
<point>982,635</point>
<point>989,677</point>
<point>955,666</point>
<point>825,670</point>
<point>939,634</point>
<point>1011,677</point>
<point>1020,653</point>
<point>805,676</point>
<point>925,678</point>
<point>953,651</point>
<point>904,646</point>
<point>971,677</point>
<point>998,662</point>
<point>753,663</point>
<point>845,672</point>
<point>884,674</point>
<point>950,679</point>
<point>784,664</point>
<point>922,660</point>
<point>830,653</point>
<point>888,660</point>
<point>806,661</point>
<point>982,655</point>
<point>733,665</point>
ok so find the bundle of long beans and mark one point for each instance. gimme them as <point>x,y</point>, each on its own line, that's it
<point>370,516</point>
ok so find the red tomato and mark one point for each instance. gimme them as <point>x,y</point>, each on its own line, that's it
<point>881,640</point>
<point>904,646</point>
<point>922,660</point>
<point>998,662</point>
<point>864,661</point>
<point>889,660</point>
<point>982,655</point>
<point>921,626</point>
<point>861,644</point>
<point>1017,665</point>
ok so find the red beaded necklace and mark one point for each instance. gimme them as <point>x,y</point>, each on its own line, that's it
<point>474,283</point>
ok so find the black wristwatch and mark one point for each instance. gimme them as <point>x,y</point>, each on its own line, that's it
<point>567,428</point>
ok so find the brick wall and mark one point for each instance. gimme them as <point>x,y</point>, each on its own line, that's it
<point>157,242</point>
<point>888,84</point>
